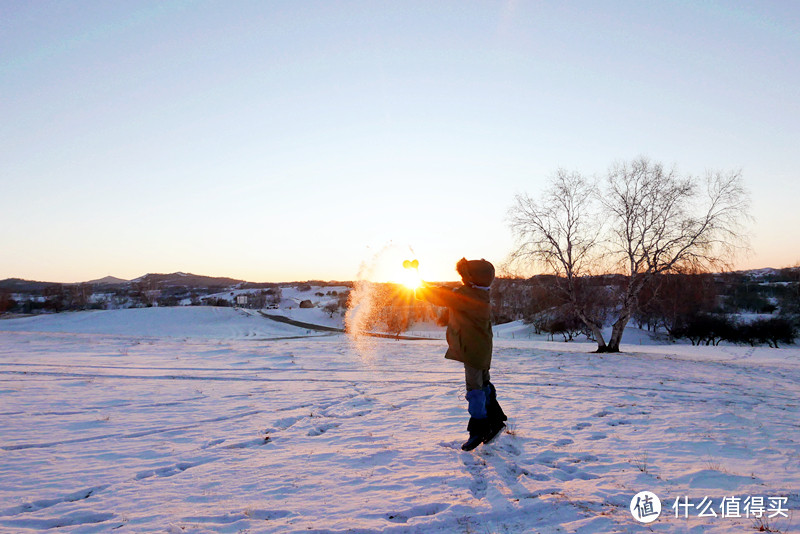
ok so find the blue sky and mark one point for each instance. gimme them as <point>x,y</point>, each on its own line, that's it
<point>278,141</point>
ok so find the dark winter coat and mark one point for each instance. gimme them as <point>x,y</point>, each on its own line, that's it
<point>469,328</point>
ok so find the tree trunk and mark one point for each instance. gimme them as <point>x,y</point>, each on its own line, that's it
<point>596,332</point>
<point>593,328</point>
<point>616,332</point>
<point>635,285</point>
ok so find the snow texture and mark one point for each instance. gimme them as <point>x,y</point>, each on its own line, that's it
<point>215,420</point>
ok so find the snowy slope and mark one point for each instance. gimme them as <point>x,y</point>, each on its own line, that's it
<point>191,322</point>
<point>164,431</point>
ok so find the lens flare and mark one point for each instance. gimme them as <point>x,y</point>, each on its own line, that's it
<point>411,279</point>
<point>410,276</point>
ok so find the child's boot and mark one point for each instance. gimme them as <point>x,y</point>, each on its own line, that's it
<point>478,426</point>
<point>494,413</point>
<point>478,429</point>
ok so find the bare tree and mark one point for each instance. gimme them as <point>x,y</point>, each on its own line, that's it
<point>560,234</point>
<point>662,222</point>
<point>657,222</point>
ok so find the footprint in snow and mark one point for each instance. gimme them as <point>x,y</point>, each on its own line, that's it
<point>417,511</point>
<point>566,475</point>
<point>321,429</point>
<point>515,471</point>
<point>567,468</point>
<point>166,471</point>
<point>620,422</point>
<point>539,477</point>
<point>267,515</point>
<point>47,503</point>
<point>581,426</point>
<point>257,442</point>
<point>476,467</point>
<point>286,422</point>
<point>509,447</point>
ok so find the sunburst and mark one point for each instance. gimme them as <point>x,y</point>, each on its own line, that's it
<point>410,277</point>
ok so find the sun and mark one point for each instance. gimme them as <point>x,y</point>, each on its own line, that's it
<point>411,279</point>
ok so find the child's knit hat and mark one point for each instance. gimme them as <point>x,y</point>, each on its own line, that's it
<point>476,272</point>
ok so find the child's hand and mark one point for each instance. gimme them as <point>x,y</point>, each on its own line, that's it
<point>420,291</point>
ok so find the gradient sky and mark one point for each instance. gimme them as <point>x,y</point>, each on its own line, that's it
<point>277,141</point>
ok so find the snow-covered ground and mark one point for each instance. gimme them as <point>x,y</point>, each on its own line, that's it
<point>157,420</point>
<point>183,322</point>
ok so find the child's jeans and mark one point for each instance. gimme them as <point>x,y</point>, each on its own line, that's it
<point>476,378</point>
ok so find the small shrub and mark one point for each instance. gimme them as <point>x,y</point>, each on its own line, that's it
<point>706,328</point>
<point>774,331</point>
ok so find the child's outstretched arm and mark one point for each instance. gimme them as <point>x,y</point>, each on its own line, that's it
<point>435,295</point>
<point>445,298</point>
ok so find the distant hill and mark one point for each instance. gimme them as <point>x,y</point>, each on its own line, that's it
<point>188,280</point>
<point>107,281</point>
<point>18,285</point>
<point>150,281</point>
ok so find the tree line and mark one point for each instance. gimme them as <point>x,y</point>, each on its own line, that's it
<point>701,307</point>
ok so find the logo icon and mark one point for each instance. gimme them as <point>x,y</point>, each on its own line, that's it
<point>645,507</point>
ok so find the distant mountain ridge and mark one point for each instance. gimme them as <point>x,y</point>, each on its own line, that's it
<point>153,280</point>
<point>107,280</point>
<point>186,280</point>
<point>18,285</point>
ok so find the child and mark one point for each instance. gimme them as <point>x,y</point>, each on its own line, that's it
<point>469,340</point>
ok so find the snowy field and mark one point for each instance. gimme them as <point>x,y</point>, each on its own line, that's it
<point>214,420</point>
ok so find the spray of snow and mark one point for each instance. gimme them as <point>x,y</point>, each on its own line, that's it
<point>362,311</point>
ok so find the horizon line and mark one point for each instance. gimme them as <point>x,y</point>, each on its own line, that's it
<point>329,281</point>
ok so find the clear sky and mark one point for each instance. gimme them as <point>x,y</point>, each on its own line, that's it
<point>276,141</point>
